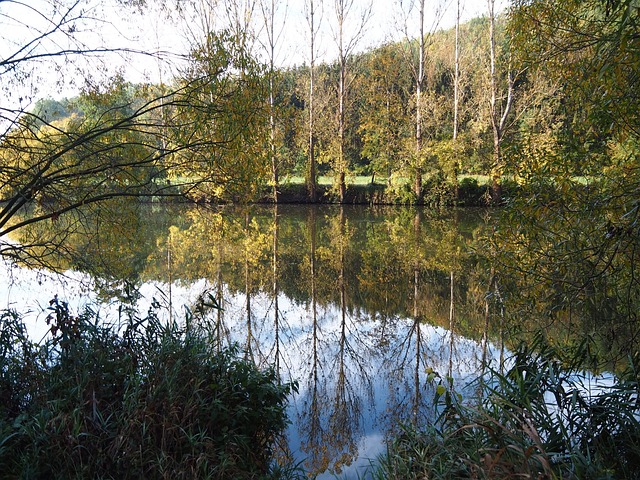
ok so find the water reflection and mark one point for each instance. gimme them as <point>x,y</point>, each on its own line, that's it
<point>356,304</point>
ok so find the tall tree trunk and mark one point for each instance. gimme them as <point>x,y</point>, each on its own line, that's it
<point>340,5</point>
<point>417,186</point>
<point>268,8</point>
<point>272,138</point>
<point>456,75</point>
<point>456,102</point>
<point>499,113</point>
<point>311,171</point>
<point>346,47</point>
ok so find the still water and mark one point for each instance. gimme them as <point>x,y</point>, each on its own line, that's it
<point>356,304</point>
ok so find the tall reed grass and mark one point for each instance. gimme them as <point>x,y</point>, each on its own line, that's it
<point>538,418</point>
<point>142,399</point>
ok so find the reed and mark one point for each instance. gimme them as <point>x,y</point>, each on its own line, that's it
<point>140,399</point>
<point>536,418</point>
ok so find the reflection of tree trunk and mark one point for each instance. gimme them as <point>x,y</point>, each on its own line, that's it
<point>219,298</point>
<point>343,310</point>
<point>341,280</point>
<point>247,280</point>
<point>314,319</point>
<point>314,306</point>
<point>314,300</point>
<point>487,313</point>
<point>418,330</point>
<point>313,446</point>
<point>498,297</point>
<point>311,171</point>
<point>276,319</point>
<point>342,418</point>
<point>416,319</point>
<point>451,326</point>
<point>170,270</point>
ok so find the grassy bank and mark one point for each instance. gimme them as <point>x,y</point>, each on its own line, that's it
<point>471,191</point>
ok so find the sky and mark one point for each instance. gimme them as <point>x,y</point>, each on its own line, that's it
<point>154,30</point>
<point>384,24</point>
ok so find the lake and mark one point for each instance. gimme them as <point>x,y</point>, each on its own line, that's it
<point>357,304</point>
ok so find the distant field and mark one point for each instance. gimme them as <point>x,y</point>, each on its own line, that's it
<point>366,180</point>
<point>328,180</point>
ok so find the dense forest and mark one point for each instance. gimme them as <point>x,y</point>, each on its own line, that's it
<point>379,134</point>
<point>503,98</point>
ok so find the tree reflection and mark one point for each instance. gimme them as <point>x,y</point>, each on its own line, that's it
<point>378,296</point>
<point>247,288</point>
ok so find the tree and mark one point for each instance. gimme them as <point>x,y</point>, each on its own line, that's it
<point>116,142</point>
<point>592,46</point>
<point>383,126</point>
<point>346,45</point>
<point>499,108</point>
<point>456,98</point>
<point>270,12</point>
<point>570,247</point>
<point>222,118</point>
<point>416,55</point>
<point>311,172</point>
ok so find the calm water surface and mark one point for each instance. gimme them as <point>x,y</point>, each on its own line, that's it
<point>356,304</point>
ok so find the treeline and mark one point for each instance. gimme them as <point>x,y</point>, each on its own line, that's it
<point>490,110</point>
<point>246,129</point>
<point>379,119</point>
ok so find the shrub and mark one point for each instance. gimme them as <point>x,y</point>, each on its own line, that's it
<point>534,420</point>
<point>148,400</point>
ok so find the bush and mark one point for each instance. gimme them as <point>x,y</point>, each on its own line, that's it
<point>470,192</point>
<point>149,400</point>
<point>535,420</point>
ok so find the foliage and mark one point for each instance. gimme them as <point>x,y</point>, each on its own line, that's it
<point>221,121</point>
<point>58,160</point>
<point>538,418</point>
<point>143,399</point>
<point>567,245</point>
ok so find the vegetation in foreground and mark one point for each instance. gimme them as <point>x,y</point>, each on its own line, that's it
<point>147,400</point>
<point>156,400</point>
<point>540,417</point>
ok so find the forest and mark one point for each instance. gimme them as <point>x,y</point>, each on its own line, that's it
<point>510,97</point>
<point>530,111</point>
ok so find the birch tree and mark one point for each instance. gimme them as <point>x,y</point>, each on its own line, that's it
<point>416,60</point>
<point>344,10</point>
<point>311,10</point>
<point>456,74</point>
<point>499,108</point>
<point>270,14</point>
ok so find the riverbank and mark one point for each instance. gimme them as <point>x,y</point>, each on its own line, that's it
<point>469,193</point>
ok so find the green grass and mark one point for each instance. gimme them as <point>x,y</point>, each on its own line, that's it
<point>327,180</point>
<point>363,180</point>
